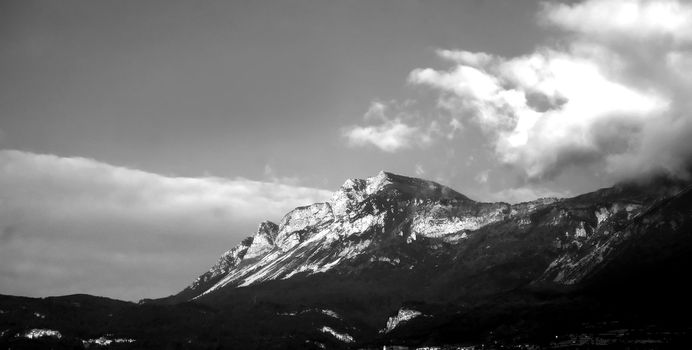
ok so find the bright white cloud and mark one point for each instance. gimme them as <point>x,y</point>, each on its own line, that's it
<point>63,221</point>
<point>389,136</point>
<point>474,59</point>
<point>391,128</point>
<point>618,19</point>
<point>613,94</point>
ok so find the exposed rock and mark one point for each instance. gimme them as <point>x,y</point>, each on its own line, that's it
<point>263,241</point>
<point>299,225</point>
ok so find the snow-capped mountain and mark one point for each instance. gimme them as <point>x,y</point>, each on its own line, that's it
<point>361,216</point>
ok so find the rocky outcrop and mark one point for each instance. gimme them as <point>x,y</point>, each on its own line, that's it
<point>263,241</point>
<point>301,223</point>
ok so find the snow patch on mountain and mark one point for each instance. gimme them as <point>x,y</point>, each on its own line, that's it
<point>344,337</point>
<point>106,341</point>
<point>580,231</point>
<point>403,315</point>
<point>602,214</point>
<point>632,210</point>
<point>36,333</point>
<point>328,312</point>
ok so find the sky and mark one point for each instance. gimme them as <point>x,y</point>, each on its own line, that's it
<point>141,139</point>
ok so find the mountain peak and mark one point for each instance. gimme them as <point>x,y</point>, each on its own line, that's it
<point>268,227</point>
<point>355,191</point>
<point>376,183</point>
<point>263,240</point>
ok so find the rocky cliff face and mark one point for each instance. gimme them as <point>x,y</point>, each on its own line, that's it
<point>263,241</point>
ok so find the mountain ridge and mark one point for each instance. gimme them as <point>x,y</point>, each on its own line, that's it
<point>377,209</point>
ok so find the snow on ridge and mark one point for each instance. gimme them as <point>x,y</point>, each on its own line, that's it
<point>328,312</point>
<point>105,341</point>
<point>344,337</point>
<point>602,214</point>
<point>402,316</point>
<point>36,333</point>
<point>580,231</point>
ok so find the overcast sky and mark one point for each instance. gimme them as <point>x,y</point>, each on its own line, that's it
<point>141,139</point>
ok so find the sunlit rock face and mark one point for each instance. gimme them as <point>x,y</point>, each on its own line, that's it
<point>301,223</point>
<point>263,240</point>
<point>439,220</point>
<point>346,199</point>
<point>589,241</point>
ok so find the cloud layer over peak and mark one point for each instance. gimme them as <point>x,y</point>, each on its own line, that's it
<point>66,220</point>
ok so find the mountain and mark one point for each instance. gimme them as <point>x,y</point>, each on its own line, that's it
<point>407,226</point>
<point>394,260</point>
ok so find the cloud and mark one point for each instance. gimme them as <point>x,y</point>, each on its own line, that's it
<point>482,177</point>
<point>612,94</point>
<point>526,193</point>
<point>270,175</point>
<point>419,170</point>
<point>388,133</point>
<point>394,126</point>
<point>66,220</point>
<point>615,19</point>
<point>390,136</point>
